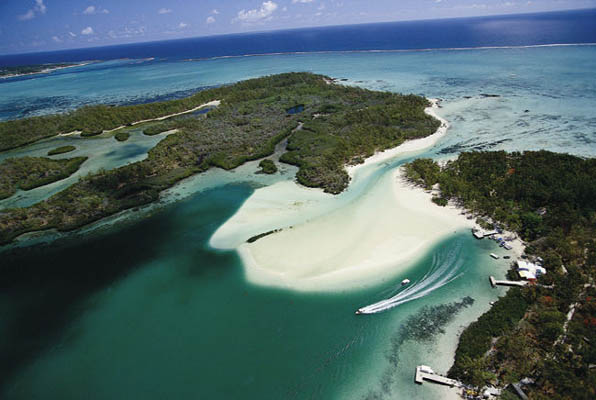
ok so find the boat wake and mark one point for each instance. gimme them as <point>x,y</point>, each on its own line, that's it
<point>445,268</point>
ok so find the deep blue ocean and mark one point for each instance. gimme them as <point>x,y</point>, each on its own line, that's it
<point>566,27</point>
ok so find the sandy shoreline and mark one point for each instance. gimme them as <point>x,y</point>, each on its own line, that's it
<point>410,145</point>
<point>213,103</point>
<point>330,243</point>
<point>366,242</point>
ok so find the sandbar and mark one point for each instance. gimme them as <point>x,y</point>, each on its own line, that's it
<point>349,241</point>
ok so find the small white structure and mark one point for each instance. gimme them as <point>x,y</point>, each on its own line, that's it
<point>529,271</point>
<point>493,255</point>
<point>491,392</point>
<point>480,234</point>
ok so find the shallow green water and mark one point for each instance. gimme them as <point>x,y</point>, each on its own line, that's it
<point>149,311</point>
<point>103,152</point>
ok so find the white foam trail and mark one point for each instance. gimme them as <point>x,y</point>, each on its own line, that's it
<point>440,274</point>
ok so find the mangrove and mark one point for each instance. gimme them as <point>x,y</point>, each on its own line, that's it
<point>251,119</point>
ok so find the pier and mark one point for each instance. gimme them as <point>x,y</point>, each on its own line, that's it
<point>480,234</point>
<point>494,282</point>
<point>424,372</point>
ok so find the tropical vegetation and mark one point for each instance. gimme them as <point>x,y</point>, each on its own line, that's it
<point>27,173</point>
<point>339,124</point>
<point>267,167</point>
<point>30,69</point>
<point>122,136</point>
<point>544,331</point>
<point>61,150</point>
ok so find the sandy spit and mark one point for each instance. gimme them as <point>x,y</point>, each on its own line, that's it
<point>327,243</point>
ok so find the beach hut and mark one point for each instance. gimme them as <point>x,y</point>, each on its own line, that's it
<point>528,270</point>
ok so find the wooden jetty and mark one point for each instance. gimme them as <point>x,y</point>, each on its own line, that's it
<point>480,234</point>
<point>494,282</point>
<point>424,372</point>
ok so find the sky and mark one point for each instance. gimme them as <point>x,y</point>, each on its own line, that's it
<point>45,25</point>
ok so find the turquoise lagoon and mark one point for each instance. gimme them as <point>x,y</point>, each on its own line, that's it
<point>145,308</point>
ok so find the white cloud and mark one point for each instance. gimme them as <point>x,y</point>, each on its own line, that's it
<point>164,11</point>
<point>38,8</point>
<point>127,32</point>
<point>72,34</point>
<point>258,14</point>
<point>28,15</point>
<point>182,25</point>
<point>210,20</point>
<point>56,39</point>
<point>95,10</point>
<point>87,31</point>
<point>214,11</point>
<point>301,1</point>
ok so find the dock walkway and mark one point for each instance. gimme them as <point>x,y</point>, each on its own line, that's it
<point>480,234</point>
<point>424,372</point>
<point>494,282</point>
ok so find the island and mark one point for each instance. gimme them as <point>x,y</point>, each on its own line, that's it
<point>539,338</point>
<point>339,125</point>
<point>20,70</point>
<point>267,167</point>
<point>61,150</point>
<point>27,173</point>
<point>122,136</point>
<point>155,129</point>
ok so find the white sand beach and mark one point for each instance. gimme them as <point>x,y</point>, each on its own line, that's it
<point>213,103</point>
<point>370,240</point>
<point>71,133</point>
<point>410,145</point>
<point>337,242</point>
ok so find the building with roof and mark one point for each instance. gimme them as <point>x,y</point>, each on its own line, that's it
<point>529,271</point>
